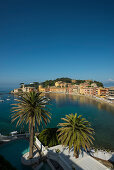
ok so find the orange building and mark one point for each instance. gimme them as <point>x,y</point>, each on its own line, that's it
<point>57,89</point>
<point>41,89</point>
<point>103,92</point>
<point>86,91</point>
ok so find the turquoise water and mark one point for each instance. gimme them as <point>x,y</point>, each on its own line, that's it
<point>13,151</point>
<point>100,115</point>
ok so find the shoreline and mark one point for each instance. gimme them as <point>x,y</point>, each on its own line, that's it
<point>101,100</point>
<point>97,99</point>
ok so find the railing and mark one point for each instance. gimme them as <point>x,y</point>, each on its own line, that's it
<point>39,144</point>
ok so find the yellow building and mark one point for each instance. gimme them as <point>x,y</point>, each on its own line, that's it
<point>81,90</point>
<point>57,89</point>
<point>73,81</point>
<point>103,92</point>
<point>57,83</point>
<point>60,84</point>
<point>41,89</point>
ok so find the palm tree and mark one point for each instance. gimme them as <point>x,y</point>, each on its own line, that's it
<point>75,132</point>
<point>31,109</point>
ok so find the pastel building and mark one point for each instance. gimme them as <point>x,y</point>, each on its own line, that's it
<point>86,91</point>
<point>41,89</point>
<point>93,85</point>
<point>23,89</point>
<point>57,89</point>
<point>73,89</point>
<point>103,92</point>
<point>60,84</point>
<point>95,91</point>
<point>111,94</point>
<point>111,91</point>
<point>73,81</point>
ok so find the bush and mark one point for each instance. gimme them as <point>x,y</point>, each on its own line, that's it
<point>48,137</point>
<point>34,138</point>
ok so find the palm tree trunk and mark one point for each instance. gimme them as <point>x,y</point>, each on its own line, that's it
<point>31,139</point>
<point>76,154</point>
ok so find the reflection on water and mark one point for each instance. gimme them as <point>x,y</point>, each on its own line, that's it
<point>82,100</point>
<point>100,115</point>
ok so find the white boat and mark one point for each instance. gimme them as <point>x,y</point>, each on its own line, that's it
<point>1,100</point>
<point>16,99</point>
<point>7,99</point>
<point>14,133</point>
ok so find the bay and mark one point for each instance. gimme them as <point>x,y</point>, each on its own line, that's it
<point>100,115</point>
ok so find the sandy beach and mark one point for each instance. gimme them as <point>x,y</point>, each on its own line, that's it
<point>101,100</point>
<point>97,99</point>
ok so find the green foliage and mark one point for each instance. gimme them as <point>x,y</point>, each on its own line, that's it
<point>48,137</point>
<point>52,82</point>
<point>90,82</point>
<point>73,83</point>
<point>95,149</point>
<point>48,83</point>
<point>79,81</point>
<point>64,79</point>
<point>34,84</point>
<point>99,84</point>
<point>76,132</point>
<point>31,109</point>
<point>5,165</point>
<point>30,106</point>
<point>34,138</point>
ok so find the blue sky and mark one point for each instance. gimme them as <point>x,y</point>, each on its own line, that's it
<point>46,39</point>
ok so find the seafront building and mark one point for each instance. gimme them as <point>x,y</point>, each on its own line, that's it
<point>111,94</point>
<point>60,84</point>
<point>41,89</point>
<point>103,92</point>
<point>86,91</point>
<point>86,88</point>
<point>23,89</point>
<point>57,89</point>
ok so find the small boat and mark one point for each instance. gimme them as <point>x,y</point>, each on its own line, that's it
<point>14,133</point>
<point>16,99</point>
<point>7,99</point>
<point>1,100</point>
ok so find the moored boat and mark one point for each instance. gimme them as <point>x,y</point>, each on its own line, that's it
<point>1,100</point>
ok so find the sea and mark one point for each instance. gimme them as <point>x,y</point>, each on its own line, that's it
<point>100,115</point>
